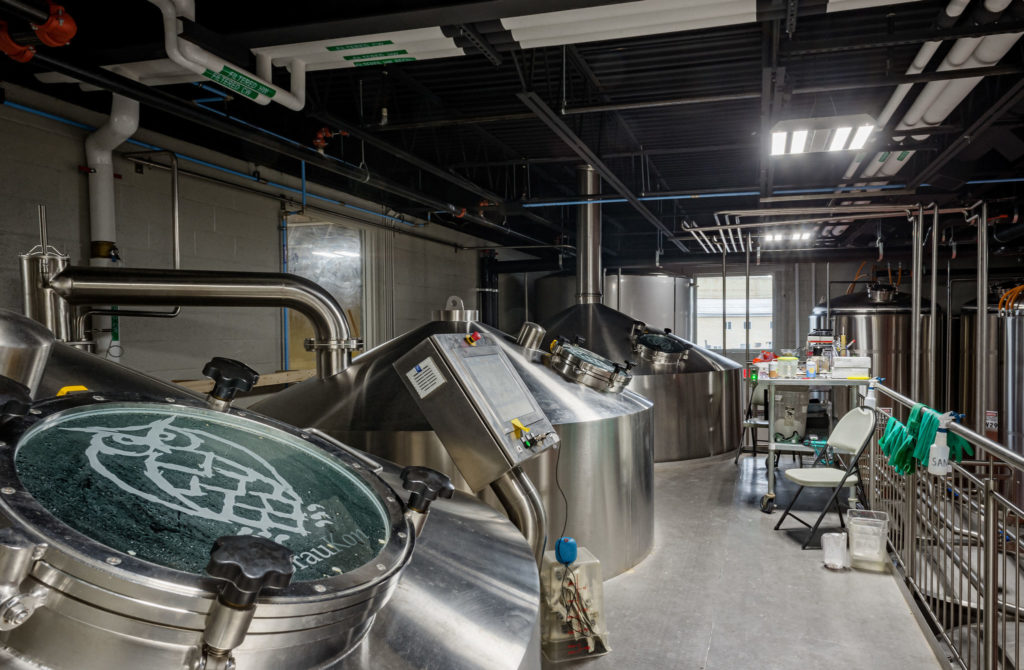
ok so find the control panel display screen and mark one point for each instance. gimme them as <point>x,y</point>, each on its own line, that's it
<point>497,381</point>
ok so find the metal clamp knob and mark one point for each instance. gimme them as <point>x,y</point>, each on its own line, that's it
<point>229,377</point>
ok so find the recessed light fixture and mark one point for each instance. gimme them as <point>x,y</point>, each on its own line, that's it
<point>829,133</point>
<point>839,137</point>
<point>799,142</point>
<point>805,236</point>
<point>860,138</point>
<point>778,143</point>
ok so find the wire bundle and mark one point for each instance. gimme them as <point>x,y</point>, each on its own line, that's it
<point>576,615</point>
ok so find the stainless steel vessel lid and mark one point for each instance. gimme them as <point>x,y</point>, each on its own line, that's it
<point>581,365</point>
<point>162,482</point>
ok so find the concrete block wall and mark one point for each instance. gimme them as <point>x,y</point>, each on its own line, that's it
<point>222,228</point>
<point>427,273</point>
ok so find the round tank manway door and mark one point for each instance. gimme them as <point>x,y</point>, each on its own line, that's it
<point>162,483</point>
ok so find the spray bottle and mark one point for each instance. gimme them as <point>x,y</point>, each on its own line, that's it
<point>938,453</point>
<point>871,399</point>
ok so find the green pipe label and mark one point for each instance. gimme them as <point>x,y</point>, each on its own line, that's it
<point>359,45</point>
<point>379,54</point>
<point>903,156</point>
<point>384,61</point>
<point>233,80</point>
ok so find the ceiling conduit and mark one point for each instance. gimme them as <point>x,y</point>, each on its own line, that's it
<point>938,99</point>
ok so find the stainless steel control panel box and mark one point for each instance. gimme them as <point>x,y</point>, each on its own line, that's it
<point>477,404</point>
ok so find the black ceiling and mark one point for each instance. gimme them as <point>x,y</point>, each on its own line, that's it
<point>464,136</point>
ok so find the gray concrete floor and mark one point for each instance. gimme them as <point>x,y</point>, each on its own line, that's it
<point>723,591</point>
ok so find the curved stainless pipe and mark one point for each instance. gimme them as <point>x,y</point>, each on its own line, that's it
<point>120,286</point>
<point>25,347</point>
<point>522,502</point>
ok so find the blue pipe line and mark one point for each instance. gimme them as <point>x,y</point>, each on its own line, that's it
<point>199,100</point>
<point>212,166</point>
<point>698,195</point>
<point>303,185</point>
<point>995,181</point>
<point>216,91</point>
<point>47,115</point>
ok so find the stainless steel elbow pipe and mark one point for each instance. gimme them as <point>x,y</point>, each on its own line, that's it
<point>522,502</point>
<point>333,343</point>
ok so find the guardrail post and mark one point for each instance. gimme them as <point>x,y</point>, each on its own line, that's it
<point>910,525</point>
<point>990,599</point>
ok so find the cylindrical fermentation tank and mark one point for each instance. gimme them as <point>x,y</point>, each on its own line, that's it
<point>879,320</point>
<point>604,461</point>
<point>995,362</point>
<point>657,298</point>
<point>1004,392</point>
<point>114,496</point>
<point>696,392</point>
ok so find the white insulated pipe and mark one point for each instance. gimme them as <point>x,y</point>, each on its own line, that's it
<point>938,99</point>
<point>99,147</point>
<point>924,55</point>
<point>99,156</point>
<point>200,61</point>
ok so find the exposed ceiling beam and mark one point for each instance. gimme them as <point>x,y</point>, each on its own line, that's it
<point>881,41</point>
<point>993,113</point>
<point>552,120</point>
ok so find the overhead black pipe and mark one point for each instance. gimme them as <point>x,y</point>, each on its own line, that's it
<point>146,95</point>
<point>33,12</point>
<point>487,287</point>
<point>540,265</point>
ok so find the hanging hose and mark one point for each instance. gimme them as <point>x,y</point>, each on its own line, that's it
<point>855,278</point>
<point>1008,300</point>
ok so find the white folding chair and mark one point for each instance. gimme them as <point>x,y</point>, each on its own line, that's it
<point>849,438</point>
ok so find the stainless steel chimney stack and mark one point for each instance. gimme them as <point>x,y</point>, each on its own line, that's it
<point>589,273</point>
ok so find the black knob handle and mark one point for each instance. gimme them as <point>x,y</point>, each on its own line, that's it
<point>630,365</point>
<point>425,486</point>
<point>579,340</point>
<point>229,377</point>
<point>668,331</point>
<point>15,399</point>
<point>248,564</point>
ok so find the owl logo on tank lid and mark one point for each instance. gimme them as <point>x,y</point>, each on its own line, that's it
<point>200,474</point>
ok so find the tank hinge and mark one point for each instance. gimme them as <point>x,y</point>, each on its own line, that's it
<point>18,553</point>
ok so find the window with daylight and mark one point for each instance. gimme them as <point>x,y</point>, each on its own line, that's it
<point>709,312</point>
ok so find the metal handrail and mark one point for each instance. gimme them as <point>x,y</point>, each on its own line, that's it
<point>926,533</point>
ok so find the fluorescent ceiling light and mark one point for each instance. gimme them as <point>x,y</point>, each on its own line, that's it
<point>839,138</point>
<point>778,144</point>
<point>805,236</point>
<point>860,138</point>
<point>799,142</point>
<point>795,236</point>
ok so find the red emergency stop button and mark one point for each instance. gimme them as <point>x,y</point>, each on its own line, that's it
<point>473,338</point>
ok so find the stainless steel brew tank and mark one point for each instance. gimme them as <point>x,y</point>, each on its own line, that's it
<point>604,460</point>
<point>881,325</point>
<point>464,547</point>
<point>697,398</point>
